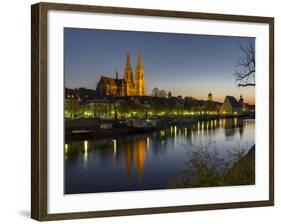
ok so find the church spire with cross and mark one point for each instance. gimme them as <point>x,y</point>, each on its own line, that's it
<point>116,74</point>
<point>128,72</point>
<point>139,65</point>
<point>139,78</point>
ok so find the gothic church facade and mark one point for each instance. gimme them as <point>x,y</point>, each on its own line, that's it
<point>130,85</point>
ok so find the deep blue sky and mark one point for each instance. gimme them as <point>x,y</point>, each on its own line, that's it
<point>187,65</point>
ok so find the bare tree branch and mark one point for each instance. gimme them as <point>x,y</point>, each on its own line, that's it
<point>248,84</point>
<point>246,66</point>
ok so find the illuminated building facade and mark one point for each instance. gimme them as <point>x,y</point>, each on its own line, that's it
<point>128,86</point>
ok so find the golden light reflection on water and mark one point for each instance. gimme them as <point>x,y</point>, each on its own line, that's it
<point>133,151</point>
<point>140,153</point>
<point>114,147</point>
<point>65,151</point>
<point>223,123</point>
<point>85,151</point>
<point>139,146</point>
<point>135,154</point>
<point>128,158</point>
<point>65,148</point>
<point>131,156</point>
<point>175,137</point>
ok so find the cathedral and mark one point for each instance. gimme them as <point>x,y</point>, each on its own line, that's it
<point>130,85</point>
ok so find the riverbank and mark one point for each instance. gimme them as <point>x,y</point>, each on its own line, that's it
<point>89,128</point>
<point>242,172</point>
<point>97,133</point>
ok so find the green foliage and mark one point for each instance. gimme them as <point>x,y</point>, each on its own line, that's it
<point>133,106</point>
<point>206,170</point>
<point>242,172</point>
<point>73,108</point>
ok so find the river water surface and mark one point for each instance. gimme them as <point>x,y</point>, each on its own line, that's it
<point>151,160</point>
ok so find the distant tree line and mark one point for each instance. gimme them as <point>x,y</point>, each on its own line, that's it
<point>140,106</point>
<point>156,92</point>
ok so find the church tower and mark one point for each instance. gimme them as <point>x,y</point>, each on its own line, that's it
<point>128,72</point>
<point>210,96</point>
<point>128,77</point>
<point>116,75</point>
<point>139,78</point>
<point>241,100</point>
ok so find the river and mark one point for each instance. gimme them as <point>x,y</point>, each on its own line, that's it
<point>150,161</point>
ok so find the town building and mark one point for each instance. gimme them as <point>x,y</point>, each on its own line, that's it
<point>210,96</point>
<point>210,106</point>
<point>231,106</point>
<point>80,94</point>
<point>128,86</point>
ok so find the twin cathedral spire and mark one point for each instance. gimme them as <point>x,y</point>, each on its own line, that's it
<point>128,72</point>
<point>139,78</point>
<point>132,84</point>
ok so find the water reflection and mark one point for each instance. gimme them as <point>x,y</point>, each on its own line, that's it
<point>128,158</point>
<point>228,125</point>
<point>140,154</point>
<point>150,160</point>
<point>85,154</point>
<point>134,155</point>
<point>114,147</point>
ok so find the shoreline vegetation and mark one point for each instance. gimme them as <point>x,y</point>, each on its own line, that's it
<point>201,174</point>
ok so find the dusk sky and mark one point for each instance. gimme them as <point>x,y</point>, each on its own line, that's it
<point>186,65</point>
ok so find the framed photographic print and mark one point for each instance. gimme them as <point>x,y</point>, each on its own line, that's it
<point>139,111</point>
